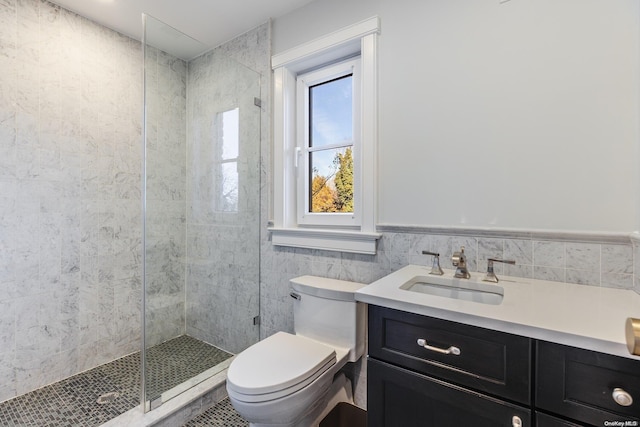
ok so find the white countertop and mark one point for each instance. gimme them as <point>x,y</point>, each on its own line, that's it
<point>582,316</point>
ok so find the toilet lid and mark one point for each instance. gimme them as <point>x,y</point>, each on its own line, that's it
<point>278,363</point>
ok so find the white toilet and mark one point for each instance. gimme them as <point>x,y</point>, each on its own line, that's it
<point>293,380</point>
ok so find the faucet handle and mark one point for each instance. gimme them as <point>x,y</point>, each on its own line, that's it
<point>491,276</point>
<point>435,269</point>
<point>459,258</point>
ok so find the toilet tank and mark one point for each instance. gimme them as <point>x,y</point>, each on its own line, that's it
<point>325,310</point>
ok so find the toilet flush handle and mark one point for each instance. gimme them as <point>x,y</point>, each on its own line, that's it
<point>295,296</point>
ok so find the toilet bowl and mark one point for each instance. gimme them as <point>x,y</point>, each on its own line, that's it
<point>294,380</point>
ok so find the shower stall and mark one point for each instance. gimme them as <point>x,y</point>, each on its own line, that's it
<point>81,298</point>
<point>201,210</point>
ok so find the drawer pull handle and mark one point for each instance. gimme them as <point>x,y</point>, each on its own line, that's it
<point>621,397</point>
<point>516,421</point>
<point>451,350</point>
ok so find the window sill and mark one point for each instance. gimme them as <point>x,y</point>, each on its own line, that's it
<point>330,240</point>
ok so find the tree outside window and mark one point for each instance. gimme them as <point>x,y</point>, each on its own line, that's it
<point>334,192</point>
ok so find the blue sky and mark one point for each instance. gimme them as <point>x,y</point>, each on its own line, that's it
<point>331,119</point>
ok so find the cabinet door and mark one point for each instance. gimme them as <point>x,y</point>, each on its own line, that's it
<point>582,384</point>
<point>400,398</point>
<point>544,420</point>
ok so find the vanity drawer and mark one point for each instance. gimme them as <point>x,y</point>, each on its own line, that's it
<point>493,362</point>
<point>579,384</point>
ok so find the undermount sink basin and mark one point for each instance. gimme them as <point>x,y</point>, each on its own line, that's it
<point>455,289</point>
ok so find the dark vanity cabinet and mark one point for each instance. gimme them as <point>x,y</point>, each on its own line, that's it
<point>424,371</point>
<point>546,420</point>
<point>589,387</point>
<point>468,376</point>
<point>401,398</point>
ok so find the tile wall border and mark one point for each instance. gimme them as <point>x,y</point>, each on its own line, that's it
<point>508,233</point>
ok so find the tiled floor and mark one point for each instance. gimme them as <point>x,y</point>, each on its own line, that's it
<point>221,415</point>
<point>73,401</point>
<point>175,361</point>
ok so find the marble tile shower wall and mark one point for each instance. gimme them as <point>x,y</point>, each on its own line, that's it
<point>607,265</point>
<point>166,85</point>
<point>223,243</point>
<point>70,213</point>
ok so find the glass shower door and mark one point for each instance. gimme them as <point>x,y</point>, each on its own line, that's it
<point>202,204</point>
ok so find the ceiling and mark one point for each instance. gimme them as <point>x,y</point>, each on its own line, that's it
<point>211,22</point>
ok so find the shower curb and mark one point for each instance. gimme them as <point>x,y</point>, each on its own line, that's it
<point>194,408</point>
<point>179,410</point>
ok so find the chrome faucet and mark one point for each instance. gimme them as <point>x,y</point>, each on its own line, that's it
<point>491,276</point>
<point>459,260</point>
<point>435,269</point>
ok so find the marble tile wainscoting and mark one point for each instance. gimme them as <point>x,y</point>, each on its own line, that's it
<point>587,259</point>
<point>635,241</point>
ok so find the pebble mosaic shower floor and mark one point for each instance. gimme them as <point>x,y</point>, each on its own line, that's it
<point>74,400</point>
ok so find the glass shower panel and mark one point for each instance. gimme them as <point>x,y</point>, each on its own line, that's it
<point>201,200</point>
<point>223,209</point>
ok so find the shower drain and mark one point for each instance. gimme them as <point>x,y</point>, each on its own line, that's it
<point>108,397</point>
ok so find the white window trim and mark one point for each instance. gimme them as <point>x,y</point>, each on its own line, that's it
<point>359,38</point>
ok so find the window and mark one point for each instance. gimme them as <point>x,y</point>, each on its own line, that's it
<point>325,133</point>
<point>328,138</point>
<point>228,128</point>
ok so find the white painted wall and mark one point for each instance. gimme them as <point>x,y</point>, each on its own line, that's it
<point>317,19</point>
<point>516,115</point>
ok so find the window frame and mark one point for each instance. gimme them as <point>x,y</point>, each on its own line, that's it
<point>304,83</point>
<point>286,230</point>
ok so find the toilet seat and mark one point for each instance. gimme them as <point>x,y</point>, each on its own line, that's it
<point>277,366</point>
